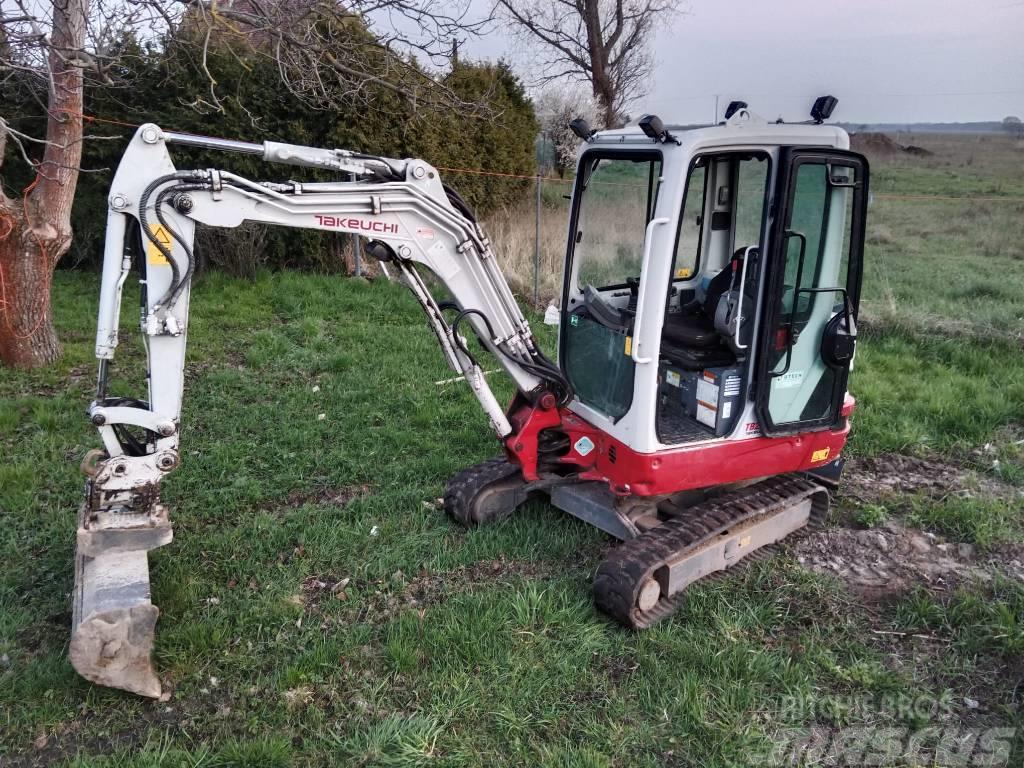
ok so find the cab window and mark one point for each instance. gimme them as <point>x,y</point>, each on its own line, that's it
<point>691,228</point>
<point>617,202</point>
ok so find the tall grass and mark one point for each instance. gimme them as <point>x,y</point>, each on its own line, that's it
<point>512,230</point>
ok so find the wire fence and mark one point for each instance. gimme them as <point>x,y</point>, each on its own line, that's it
<point>531,235</point>
<point>531,239</point>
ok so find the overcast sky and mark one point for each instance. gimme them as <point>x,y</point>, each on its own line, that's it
<point>886,60</point>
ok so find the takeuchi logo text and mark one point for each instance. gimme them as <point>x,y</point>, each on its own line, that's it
<point>360,224</point>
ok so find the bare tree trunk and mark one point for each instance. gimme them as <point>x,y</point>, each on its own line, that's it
<point>606,102</point>
<point>604,42</point>
<point>35,231</point>
<point>604,92</point>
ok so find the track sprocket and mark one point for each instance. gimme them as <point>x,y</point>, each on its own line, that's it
<point>485,493</point>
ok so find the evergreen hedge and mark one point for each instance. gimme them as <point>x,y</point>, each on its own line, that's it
<point>487,123</point>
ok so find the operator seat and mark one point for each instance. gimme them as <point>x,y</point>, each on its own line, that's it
<point>694,324</point>
<point>689,336</point>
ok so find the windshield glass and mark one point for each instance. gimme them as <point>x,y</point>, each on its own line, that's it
<point>617,202</point>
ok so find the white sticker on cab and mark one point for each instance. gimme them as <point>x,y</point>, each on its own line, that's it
<point>584,446</point>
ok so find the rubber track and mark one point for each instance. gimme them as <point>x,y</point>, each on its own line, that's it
<point>621,574</point>
<point>464,487</point>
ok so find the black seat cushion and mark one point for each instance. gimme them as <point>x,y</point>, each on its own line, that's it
<point>698,359</point>
<point>690,330</point>
<point>693,325</point>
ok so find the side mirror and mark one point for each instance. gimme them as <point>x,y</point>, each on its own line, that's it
<point>839,337</point>
<point>581,128</point>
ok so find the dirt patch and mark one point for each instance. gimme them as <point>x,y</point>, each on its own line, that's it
<point>874,143</point>
<point>893,559</point>
<point>879,478</point>
<point>337,496</point>
<point>384,599</point>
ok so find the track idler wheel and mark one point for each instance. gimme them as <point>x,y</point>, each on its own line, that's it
<point>485,493</point>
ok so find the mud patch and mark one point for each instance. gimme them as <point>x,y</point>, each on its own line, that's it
<point>879,478</point>
<point>337,496</point>
<point>379,601</point>
<point>229,358</point>
<point>893,559</point>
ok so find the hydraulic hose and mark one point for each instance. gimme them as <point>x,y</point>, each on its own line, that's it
<point>176,277</point>
<point>460,205</point>
<point>540,366</point>
<point>176,288</point>
<point>144,220</point>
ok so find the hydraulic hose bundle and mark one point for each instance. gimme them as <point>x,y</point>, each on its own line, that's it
<point>178,280</point>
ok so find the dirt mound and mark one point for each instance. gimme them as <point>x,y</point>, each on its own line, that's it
<point>893,559</point>
<point>874,144</point>
<point>881,145</point>
<point>913,149</point>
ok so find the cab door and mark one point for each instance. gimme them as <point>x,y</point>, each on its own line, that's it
<point>610,232</point>
<point>809,327</point>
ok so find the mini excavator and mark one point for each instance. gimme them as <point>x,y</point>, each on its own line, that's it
<point>698,405</point>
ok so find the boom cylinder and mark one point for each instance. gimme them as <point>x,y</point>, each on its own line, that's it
<point>209,142</point>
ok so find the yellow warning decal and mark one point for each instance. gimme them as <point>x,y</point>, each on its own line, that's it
<point>153,254</point>
<point>629,345</point>
<point>683,272</point>
<point>820,455</point>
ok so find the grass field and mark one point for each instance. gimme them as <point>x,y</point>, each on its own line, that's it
<point>319,609</point>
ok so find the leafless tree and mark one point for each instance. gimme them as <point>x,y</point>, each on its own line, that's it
<point>55,45</point>
<point>35,230</point>
<point>604,43</point>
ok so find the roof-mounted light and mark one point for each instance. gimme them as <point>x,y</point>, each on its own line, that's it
<point>653,128</point>
<point>581,128</point>
<point>734,107</point>
<point>822,109</point>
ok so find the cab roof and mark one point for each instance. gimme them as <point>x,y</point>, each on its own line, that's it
<point>743,128</point>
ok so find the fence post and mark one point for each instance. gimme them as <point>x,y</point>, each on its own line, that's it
<point>356,249</point>
<point>536,250</point>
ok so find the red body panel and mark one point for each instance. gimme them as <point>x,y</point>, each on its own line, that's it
<point>628,472</point>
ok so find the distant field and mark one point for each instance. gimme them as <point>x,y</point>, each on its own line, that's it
<point>449,648</point>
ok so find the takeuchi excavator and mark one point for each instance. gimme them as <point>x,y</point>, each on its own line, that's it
<point>698,405</point>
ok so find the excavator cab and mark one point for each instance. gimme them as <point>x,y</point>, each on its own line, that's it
<point>711,286</point>
<point>708,327</point>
